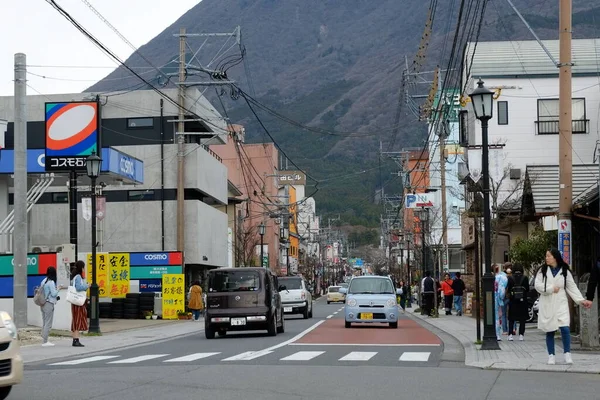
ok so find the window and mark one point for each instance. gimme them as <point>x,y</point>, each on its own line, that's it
<point>291,283</point>
<point>503,113</point>
<point>137,123</point>
<point>547,123</point>
<point>371,286</point>
<point>60,197</point>
<point>134,195</point>
<point>234,281</point>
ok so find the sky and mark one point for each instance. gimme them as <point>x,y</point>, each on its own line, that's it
<point>56,50</point>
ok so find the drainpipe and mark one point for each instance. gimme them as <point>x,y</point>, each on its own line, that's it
<point>162,176</point>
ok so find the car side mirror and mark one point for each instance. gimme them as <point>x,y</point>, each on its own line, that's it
<point>282,288</point>
<point>343,290</point>
<point>399,292</point>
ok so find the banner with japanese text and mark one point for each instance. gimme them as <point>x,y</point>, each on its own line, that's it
<point>119,274</point>
<point>173,295</point>
<point>101,272</point>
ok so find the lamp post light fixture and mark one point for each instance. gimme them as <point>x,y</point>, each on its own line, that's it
<point>93,164</point>
<point>483,105</point>
<point>261,232</point>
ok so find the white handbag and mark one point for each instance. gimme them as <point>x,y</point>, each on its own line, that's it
<point>75,297</point>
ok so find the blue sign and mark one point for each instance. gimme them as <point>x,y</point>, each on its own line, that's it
<point>7,285</point>
<point>150,259</point>
<point>126,166</point>
<point>150,285</point>
<point>359,262</point>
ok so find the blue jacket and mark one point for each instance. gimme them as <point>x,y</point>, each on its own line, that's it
<point>50,290</point>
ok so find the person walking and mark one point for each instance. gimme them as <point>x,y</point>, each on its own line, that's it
<point>51,297</point>
<point>196,304</point>
<point>79,321</point>
<point>458,285</point>
<point>517,290</point>
<point>427,296</point>
<point>500,283</point>
<point>554,282</point>
<point>448,293</point>
<point>403,295</point>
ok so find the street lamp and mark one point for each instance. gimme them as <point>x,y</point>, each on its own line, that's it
<point>261,232</point>
<point>93,164</point>
<point>483,102</point>
<point>287,256</point>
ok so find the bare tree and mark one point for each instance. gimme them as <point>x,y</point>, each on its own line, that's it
<point>245,244</point>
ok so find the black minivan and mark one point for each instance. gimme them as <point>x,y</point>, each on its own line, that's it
<point>243,299</point>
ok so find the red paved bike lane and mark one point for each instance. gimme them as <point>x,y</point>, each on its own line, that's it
<point>332,332</point>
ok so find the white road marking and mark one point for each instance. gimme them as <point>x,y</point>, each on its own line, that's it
<point>303,356</point>
<point>138,359</point>
<point>191,357</point>
<point>358,356</point>
<point>335,312</point>
<point>85,360</point>
<point>365,344</point>
<point>329,316</point>
<point>414,356</point>
<point>249,355</point>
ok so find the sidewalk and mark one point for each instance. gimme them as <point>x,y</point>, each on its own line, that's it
<point>529,355</point>
<point>116,334</point>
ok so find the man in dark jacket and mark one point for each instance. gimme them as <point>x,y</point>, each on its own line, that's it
<point>459,288</point>
<point>593,281</point>
<point>428,292</point>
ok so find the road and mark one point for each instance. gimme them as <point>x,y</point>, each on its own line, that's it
<point>314,359</point>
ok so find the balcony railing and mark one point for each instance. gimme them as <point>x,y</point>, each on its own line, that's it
<point>551,127</point>
<point>212,153</point>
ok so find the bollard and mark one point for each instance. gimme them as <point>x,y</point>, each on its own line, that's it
<point>588,324</point>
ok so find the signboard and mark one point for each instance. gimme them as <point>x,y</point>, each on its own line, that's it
<point>173,295</point>
<point>291,178</point>
<point>37,264</point>
<point>154,272</point>
<point>419,200</point>
<point>564,239</point>
<point>155,258</point>
<point>72,134</point>
<point>118,265</point>
<point>150,285</point>
<point>101,272</point>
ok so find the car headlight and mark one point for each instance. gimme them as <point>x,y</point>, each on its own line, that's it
<point>9,324</point>
<point>391,303</point>
<point>351,302</point>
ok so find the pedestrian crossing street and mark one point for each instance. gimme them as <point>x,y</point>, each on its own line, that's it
<point>324,356</point>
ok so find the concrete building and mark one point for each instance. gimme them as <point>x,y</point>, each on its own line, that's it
<point>141,216</point>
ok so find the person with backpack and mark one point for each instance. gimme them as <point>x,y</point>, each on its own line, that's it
<point>517,290</point>
<point>554,282</point>
<point>46,296</point>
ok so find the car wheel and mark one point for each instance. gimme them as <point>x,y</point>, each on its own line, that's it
<point>4,392</point>
<point>310,315</point>
<point>272,330</point>
<point>328,302</point>
<point>209,332</point>
<point>347,324</point>
<point>394,325</point>
<point>281,329</point>
<point>305,313</point>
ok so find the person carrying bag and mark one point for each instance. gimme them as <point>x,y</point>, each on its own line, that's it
<point>77,297</point>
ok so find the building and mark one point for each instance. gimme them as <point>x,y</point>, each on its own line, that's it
<point>524,169</point>
<point>137,131</point>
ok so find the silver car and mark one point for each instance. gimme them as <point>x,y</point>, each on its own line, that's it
<point>371,299</point>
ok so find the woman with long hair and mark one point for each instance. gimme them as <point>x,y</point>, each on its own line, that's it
<point>554,282</point>
<point>196,304</point>
<point>79,322</point>
<point>51,296</point>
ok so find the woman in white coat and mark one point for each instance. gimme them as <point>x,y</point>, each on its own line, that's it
<point>554,281</point>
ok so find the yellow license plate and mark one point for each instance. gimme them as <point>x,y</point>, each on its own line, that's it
<point>366,315</point>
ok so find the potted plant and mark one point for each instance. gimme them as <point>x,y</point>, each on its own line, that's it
<point>189,315</point>
<point>154,316</point>
<point>148,314</point>
<point>182,315</point>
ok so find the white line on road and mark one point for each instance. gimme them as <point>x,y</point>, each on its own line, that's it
<point>303,356</point>
<point>329,316</point>
<point>192,357</point>
<point>249,355</point>
<point>138,359</point>
<point>359,356</point>
<point>85,360</point>
<point>335,312</point>
<point>408,356</point>
<point>365,344</point>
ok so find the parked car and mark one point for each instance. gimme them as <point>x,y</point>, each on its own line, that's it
<point>11,363</point>
<point>334,295</point>
<point>371,299</point>
<point>243,299</point>
<point>296,298</point>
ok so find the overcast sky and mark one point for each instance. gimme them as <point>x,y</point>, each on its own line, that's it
<point>35,28</point>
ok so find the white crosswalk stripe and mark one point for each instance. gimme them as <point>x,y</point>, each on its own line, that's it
<point>247,356</point>
<point>191,357</point>
<point>135,360</point>
<point>359,356</point>
<point>303,356</point>
<point>415,356</point>
<point>85,360</point>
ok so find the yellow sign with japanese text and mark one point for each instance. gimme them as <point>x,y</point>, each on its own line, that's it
<point>101,272</point>
<point>173,295</point>
<point>118,274</point>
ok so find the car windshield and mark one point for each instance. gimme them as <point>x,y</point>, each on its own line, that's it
<point>234,281</point>
<point>291,283</point>
<point>344,285</point>
<point>334,289</point>
<point>371,286</point>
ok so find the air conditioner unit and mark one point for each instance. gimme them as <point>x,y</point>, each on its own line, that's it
<point>40,249</point>
<point>58,249</point>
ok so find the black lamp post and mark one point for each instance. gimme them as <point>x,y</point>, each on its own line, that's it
<point>93,165</point>
<point>483,105</point>
<point>261,232</point>
<point>287,257</point>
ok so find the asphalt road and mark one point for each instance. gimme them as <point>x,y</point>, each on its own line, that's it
<point>199,368</point>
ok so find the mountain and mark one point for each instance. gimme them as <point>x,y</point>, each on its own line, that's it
<point>337,65</point>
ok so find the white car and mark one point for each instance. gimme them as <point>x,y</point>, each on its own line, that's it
<point>11,363</point>
<point>295,298</point>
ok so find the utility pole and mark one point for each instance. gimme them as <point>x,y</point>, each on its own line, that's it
<point>565,129</point>
<point>21,239</point>
<point>181,149</point>
<point>444,257</point>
